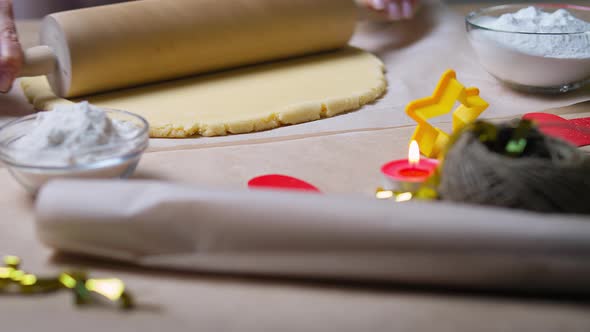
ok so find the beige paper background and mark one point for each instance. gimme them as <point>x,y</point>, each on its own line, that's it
<point>198,301</point>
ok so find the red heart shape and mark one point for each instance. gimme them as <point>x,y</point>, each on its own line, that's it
<point>549,124</point>
<point>278,181</point>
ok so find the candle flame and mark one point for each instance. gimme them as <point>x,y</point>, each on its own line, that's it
<point>414,153</point>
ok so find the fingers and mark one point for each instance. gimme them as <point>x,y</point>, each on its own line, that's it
<point>11,53</point>
<point>378,4</point>
<point>395,9</point>
<point>407,9</point>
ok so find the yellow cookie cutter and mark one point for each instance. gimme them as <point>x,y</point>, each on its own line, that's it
<point>449,90</point>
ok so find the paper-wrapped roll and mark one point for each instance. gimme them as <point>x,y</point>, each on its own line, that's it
<point>109,47</point>
<point>308,235</point>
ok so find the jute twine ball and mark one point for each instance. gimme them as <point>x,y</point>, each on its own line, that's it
<point>553,176</point>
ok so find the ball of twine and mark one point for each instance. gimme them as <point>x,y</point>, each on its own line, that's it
<point>558,181</point>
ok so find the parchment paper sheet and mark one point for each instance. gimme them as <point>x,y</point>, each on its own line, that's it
<point>295,234</point>
<point>343,163</point>
<point>343,154</point>
<point>175,301</point>
<point>416,53</point>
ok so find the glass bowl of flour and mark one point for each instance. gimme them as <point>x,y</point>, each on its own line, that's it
<point>73,141</point>
<point>543,48</point>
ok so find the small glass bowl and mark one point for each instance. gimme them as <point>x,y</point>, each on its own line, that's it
<point>523,71</point>
<point>115,160</point>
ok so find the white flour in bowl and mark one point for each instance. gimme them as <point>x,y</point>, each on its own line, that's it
<point>534,20</point>
<point>62,136</point>
<point>535,48</point>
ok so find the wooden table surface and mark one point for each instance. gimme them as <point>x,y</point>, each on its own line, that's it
<point>193,302</point>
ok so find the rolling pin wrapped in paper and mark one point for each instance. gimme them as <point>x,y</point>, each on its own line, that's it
<point>110,47</point>
<point>315,236</point>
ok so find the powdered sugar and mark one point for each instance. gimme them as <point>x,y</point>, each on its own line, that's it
<point>533,19</point>
<point>541,33</point>
<point>68,134</point>
<point>536,49</point>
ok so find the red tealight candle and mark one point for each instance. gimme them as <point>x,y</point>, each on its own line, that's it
<point>407,174</point>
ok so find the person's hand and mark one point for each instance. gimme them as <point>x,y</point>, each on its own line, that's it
<point>11,53</point>
<point>394,9</point>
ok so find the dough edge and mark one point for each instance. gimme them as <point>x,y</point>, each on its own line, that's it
<point>38,93</point>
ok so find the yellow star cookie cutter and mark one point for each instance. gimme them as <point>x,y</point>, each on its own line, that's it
<point>449,90</point>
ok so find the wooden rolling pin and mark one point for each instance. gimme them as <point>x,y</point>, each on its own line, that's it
<point>104,48</point>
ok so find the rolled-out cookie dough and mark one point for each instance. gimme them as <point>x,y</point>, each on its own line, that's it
<point>246,99</point>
